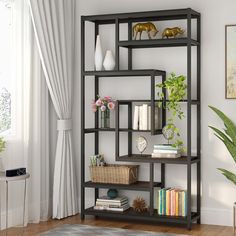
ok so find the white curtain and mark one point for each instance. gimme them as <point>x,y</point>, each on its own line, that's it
<point>54,29</point>
<point>34,112</point>
<point>29,143</point>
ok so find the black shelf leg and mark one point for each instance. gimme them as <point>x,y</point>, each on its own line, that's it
<point>199,120</point>
<point>130,127</point>
<point>189,112</point>
<point>82,120</point>
<point>162,175</point>
<point>96,120</point>
<point>151,188</point>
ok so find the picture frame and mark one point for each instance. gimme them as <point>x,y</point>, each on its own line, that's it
<point>230,61</point>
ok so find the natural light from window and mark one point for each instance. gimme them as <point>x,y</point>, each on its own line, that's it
<point>6,68</point>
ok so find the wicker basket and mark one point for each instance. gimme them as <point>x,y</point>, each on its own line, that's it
<point>114,174</point>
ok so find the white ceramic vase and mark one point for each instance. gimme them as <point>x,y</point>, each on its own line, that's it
<point>98,54</point>
<point>109,61</point>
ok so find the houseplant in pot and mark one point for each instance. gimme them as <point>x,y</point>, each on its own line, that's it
<point>175,86</point>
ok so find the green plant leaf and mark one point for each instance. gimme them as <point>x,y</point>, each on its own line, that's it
<point>228,143</point>
<point>230,126</point>
<point>229,175</point>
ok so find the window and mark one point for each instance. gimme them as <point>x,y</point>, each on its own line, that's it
<point>6,66</point>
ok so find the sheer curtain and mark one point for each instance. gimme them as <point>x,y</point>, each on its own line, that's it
<point>54,29</point>
<point>29,144</point>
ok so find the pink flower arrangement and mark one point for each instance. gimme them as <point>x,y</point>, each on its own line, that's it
<point>103,104</point>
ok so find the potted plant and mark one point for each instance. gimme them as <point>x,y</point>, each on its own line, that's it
<point>175,86</point>
<point>228,137</point>
<point>104,105</point>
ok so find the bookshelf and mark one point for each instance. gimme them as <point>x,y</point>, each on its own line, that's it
<point>189,160</point>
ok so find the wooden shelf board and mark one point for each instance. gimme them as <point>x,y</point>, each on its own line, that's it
<point>92,130</point>
<point>131,214</point>
<point>138,186</point>
<point>125,73</point>
<point>173,14</point>
<point>152,43</point>
<point>147,158</point>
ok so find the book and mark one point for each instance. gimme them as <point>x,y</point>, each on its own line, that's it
<point>184,194</point>
<point>165,155</point>
<point>172,196</point>
<point>172,202</point>
<point>176,203</point>
<point>160,202</point>
<point>166,151</point>
<point>136,118</point>
<point>108,199</point>
<point>180,203</point>
<point>168,202</point>
<point>109,204</point>
<point>164,147</point>
<point>119,209</point>
<point>149,118</point>
<point>145,117</point>
<point>140,118</point>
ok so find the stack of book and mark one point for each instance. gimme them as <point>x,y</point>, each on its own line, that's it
<point>165,151</point>
<point>142,117</point>
<point>172,202</point>
<point>119,204</point>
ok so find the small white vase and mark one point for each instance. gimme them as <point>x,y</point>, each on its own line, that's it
<point>98,54</point>
<point>109,61</point>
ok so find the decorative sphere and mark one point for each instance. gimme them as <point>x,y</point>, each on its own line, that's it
<point>112,193</point>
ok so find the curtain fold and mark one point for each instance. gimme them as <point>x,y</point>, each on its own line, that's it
<point>28,144</point>
<point>54,30</point>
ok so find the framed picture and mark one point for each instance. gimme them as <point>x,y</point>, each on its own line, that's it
<point>230,61</point>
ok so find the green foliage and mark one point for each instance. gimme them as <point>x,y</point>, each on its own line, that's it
<point>176,88</point>
<point>228,137</point>
<point>2,144</point>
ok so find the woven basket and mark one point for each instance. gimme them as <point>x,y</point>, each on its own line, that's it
<point>114,174</point>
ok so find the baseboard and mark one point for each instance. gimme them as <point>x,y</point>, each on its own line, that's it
<point>215,216</point>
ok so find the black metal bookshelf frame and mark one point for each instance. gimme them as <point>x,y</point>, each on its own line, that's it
<point>129,18</point>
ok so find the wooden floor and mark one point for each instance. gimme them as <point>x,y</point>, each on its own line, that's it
<point>198,230</point>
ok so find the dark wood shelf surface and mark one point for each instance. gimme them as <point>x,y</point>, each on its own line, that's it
<point>148,159</point>
<point>138,186</point>
<point>152,43</point>
<point>121,73</point>
<point>128,101</point>
<point>92,130</point>
<point>131,214</point>
<point>160,15</point>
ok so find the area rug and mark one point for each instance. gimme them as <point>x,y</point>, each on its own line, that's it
<point>88,230</point>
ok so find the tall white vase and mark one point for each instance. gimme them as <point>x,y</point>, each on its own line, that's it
<point>109,61</point>
<point>98,54</point>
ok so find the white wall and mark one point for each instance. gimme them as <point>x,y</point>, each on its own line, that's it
<point>218,194</point>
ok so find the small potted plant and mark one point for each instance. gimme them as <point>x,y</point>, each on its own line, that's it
<point>175,86</point>
<point>104,105</point>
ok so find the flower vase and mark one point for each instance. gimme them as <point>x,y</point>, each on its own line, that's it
<point>98,54</point>
<point>105,119</point>
<point>109,61</point>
